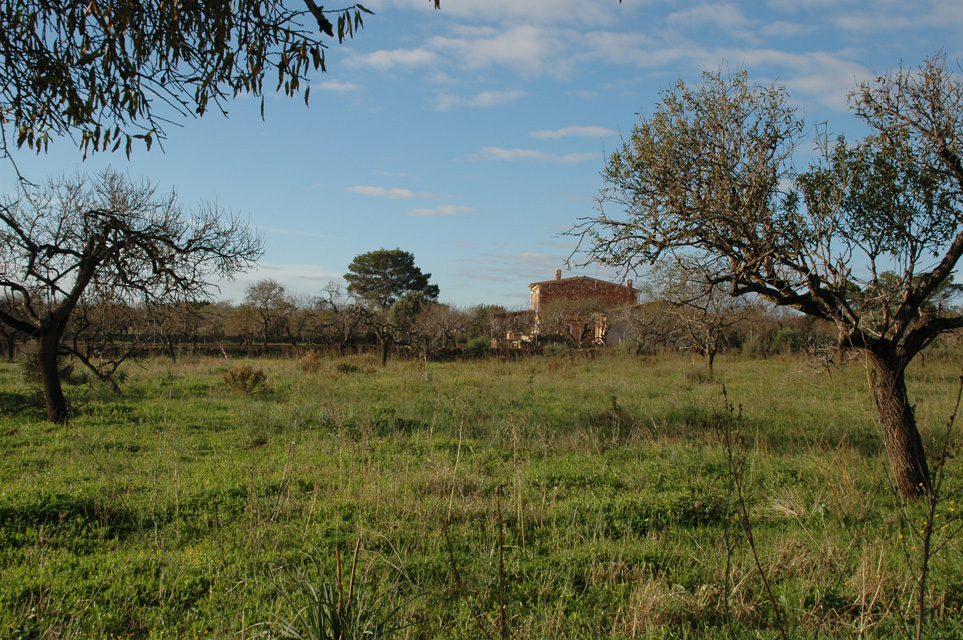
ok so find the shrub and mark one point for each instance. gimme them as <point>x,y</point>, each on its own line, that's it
<point>346,367</point>
<point>788,340</point>
<point>245,378</point>
<point>479,347</point>
<point>754,347</point>
<point>311,361</point>
<point>556,350</point>
<point>31,372</point>
<point>628,348</point>
<point>698,376</point>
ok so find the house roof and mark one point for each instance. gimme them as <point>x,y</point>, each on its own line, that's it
<point>596,280</point>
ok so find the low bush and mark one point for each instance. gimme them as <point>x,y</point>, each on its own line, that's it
<point>556,351</point>
<point>310,362</point>
<point>475,348</point>
<point>245,378</point>
<point>31,372</point>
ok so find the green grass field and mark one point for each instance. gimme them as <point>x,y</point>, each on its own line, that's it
<point>595,495</point>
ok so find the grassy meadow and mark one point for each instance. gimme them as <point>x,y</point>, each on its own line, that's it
<point>591,498</point>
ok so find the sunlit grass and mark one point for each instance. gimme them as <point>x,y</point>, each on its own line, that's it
<point>165,512</point>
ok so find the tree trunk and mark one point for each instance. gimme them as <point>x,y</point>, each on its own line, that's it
<point>903,442</point>
<point>384,352</point>
<point>171,349</point>
<point>47,352</point>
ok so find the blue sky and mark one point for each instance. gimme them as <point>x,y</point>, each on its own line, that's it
<point>474,136</point>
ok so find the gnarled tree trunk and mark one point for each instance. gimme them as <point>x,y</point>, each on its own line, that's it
<point>898,421</point>
<point>48,346</point>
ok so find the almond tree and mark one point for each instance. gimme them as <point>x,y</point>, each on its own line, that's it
<point>704,313</point>
<point>271,306</point>
<point>862,238</point>
<point>79,238</point>
<point>339,316</point>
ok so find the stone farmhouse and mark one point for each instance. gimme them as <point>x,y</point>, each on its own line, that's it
<point>578,308</point>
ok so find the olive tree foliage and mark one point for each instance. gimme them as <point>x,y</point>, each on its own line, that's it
<point>108,73</point>
<point>75,242</point>
<point>862,238</point>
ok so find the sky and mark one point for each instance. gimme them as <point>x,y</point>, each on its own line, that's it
<point>474,136</point>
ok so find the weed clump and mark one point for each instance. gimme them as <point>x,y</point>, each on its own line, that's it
<point>346,367</point>
<point>245,378</point>
<point>323,607</point>
<point>310,362</point>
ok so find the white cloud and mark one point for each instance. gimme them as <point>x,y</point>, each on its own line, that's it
<point>725,17</point>
<point>821,77</point>
<point>902,17</point>
<point>555,134</point>
<point>522,268</point>
<point>806,5</point>
<point>498,153</point>
<point>337,86</point>
<point>613,47</point>
<point>395,194</point>
<point>483,100</point>
<point>530,50</point>
<point>445,210</point>
<point>782,29</point>
<point>386,60</point>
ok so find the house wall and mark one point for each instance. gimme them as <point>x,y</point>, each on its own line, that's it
<point>588,295</point>
<point>605,294</point>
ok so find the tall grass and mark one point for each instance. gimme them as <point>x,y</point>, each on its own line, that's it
<point>164,513</point>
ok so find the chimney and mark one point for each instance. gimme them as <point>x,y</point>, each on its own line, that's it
<point>558,274</point>
<point>628,283</point>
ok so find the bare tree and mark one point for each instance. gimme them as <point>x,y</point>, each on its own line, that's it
<point>243,322</point>
<point>103,333</point>
<point>9,335</point>
<point>170,322</point>
<point>579,320</point>
<point>269,303</point>
<point>649,324</point>
<point>705,314</point>
<point>106,233</point>
<point>339,315</point>
<point>711,174</point>
<point>380,325</point>
<point>300,320</point>
<point>443,323</point>
<point>212,320</point>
